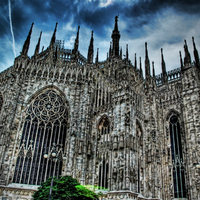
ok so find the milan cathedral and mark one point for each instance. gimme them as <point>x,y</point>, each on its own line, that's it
<point>102,122</point>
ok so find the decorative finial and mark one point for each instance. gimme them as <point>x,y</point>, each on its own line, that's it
<point>196,54</point>
<point>53,39</point>
<point>37,48</point>
<point>91,50</point>
<point>126,51</point>
<point>27,42</point>
<point>147,63</point>
<point>135,61</point>
<point>76,43</point>
<point>97,57</point>
<point>187,58</point>
<point>141,72</point>
<point>181,60</point>
<point>153,69</point>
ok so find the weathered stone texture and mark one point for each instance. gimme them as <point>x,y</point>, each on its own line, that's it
<point>118,123</point>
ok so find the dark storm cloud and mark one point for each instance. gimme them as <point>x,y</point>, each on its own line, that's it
<point>144,12</point>
<point>96,15</point>
<point>89,13</point>
<point>4,29</point>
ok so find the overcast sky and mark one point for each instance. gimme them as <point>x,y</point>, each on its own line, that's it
<point>161,23</point>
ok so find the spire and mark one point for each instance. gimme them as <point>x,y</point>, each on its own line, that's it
<point>110,50</point>
<point>141,72</point>
<point>126,51</point>
<point>91,50</point>
<point>76,40</point>
<point>120,53</point>
<point>37,48</point>
<point>136,61</point>
<point>163,64</point>
<point>97,57</point>
<point>147,64</point>
<point>187,58</point>
<point>56,54</point>
<point>27,42</point>
<point>196,54</point>
<point>181,60</point>
<point>115,38</point>
<point>153,70</point>
<point>53,39</point>
<point>116,25</point>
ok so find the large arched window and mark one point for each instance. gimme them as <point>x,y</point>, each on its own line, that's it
<point>1,102</point>
<point>45,125</point>
<point>104,138</point>
<point>177,158</point>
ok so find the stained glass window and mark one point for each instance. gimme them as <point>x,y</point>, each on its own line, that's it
<point>177,158</point>
<point>45,125</point>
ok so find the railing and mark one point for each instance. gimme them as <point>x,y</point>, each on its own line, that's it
<point>172,75</point>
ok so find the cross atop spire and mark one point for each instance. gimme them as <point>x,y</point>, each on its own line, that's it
<point>27,42</point>
<point>115,38</point>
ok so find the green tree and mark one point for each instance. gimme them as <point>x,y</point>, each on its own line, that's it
<point>64,188</point>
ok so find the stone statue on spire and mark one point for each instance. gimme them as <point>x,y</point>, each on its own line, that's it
<point>115,39</point>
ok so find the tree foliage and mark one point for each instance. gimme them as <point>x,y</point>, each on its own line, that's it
<point>64,188</point>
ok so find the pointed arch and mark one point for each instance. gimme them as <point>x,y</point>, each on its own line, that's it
<point>45,124</point>
<point>73,75</point>
<point>33,73</point>
<point>179,180</point>
<point>48,87</point>
<point>57,74</point>
<point>39,74</point>
<point>45,73</point>
<point>173,112</point>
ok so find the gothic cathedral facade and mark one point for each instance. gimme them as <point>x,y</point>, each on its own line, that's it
<point>132,137</point>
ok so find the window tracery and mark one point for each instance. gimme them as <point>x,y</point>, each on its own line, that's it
<point>44,125</point>
<point>103,137</point>
<point>177,158</point>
